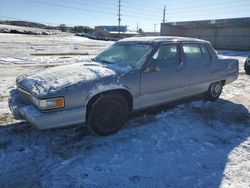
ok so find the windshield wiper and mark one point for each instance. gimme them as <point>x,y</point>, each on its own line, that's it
<point>103,61</point>
<point>107,62</point>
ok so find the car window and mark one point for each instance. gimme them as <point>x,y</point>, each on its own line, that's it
<point>167,56</point>
<point>195,54</point>
<point>205,53</point>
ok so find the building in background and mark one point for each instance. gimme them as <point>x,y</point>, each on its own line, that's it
<point>151,34</point>
<point>113,32</point>
<point>228,34</point>
<point>112,28</point>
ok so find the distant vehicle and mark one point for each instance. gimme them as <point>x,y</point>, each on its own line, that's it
<point>247,65</point>
<point>132,74</point>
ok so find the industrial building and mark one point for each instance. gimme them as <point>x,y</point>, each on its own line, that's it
<point>115,32</point>
<point>227,34</point>
<point>112,28</point>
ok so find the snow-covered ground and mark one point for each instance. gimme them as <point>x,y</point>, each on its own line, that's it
<point>195,144</point>
<point>27,30</point>
<point>46,50</point>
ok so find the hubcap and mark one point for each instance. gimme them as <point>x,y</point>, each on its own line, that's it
<point>216,89</point>
<point>108,116</point>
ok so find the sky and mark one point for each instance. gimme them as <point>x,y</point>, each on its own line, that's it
<point>147,13</point>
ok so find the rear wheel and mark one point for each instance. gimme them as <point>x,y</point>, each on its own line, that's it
<point>108,114</point>
<point>214,91</point>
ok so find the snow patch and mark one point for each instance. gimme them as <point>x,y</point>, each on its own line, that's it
<point>52,79</point>
<point>27,30</point>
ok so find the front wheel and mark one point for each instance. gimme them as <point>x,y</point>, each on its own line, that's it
<point>247,71</point>
<point>108,114</point>
<point>214,91</point>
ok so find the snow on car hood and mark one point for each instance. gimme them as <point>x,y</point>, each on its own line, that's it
<point>52,79</point>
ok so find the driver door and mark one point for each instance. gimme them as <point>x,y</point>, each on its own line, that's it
<point>162,80</point>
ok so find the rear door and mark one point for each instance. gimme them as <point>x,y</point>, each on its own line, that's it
<point>162,80</point>
<point>197,67</point>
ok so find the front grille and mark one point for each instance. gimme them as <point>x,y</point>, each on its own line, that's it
<point>25,95</point>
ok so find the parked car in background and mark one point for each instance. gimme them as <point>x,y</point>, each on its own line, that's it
<point>247,65</point>
<point>133,74</point>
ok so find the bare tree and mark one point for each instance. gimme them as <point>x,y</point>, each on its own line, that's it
<point>63,27</point>
<point>79,29</point>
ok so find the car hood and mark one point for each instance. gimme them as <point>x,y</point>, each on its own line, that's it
<point>53,79</point>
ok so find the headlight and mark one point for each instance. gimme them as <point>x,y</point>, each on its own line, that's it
<point>48,104</point>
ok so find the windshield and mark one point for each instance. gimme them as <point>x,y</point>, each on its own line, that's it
<point>125,54</point>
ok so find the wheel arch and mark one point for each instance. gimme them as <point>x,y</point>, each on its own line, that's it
<point>122,91</point>
<point>223,82</point>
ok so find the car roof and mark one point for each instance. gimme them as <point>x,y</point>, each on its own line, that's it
<point>161,39</point>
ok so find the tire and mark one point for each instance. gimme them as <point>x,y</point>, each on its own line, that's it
<point>108,114</point>
<point>214,91</point>
<point>247,71</point>
<point>247,68</point>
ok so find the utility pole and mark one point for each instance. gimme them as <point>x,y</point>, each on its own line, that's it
<point>119,16</point>
<point>137,27</point>
<point>164,14</point>
<point>155,28</point>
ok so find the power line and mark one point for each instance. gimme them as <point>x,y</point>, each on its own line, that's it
<point>200,4</point>
<point>90,3</point>
<point>69,7</point>
<point>104,6</point>
<point>139,11</point>
<point>144,8</point>
<point>180,12</point>
<point>220,9</point>
<point>55,5</point>
<point>145,11</point>
<point>206,5</point>
<point>142,17</point>
<point>207,9</point>
<point>138,4</point>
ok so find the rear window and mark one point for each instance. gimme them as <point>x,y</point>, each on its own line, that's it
<point>195,54</point>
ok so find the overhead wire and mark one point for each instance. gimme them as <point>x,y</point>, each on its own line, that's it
<point>144,10</point>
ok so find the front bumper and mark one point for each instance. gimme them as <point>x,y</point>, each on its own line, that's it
<point>48,120</point>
